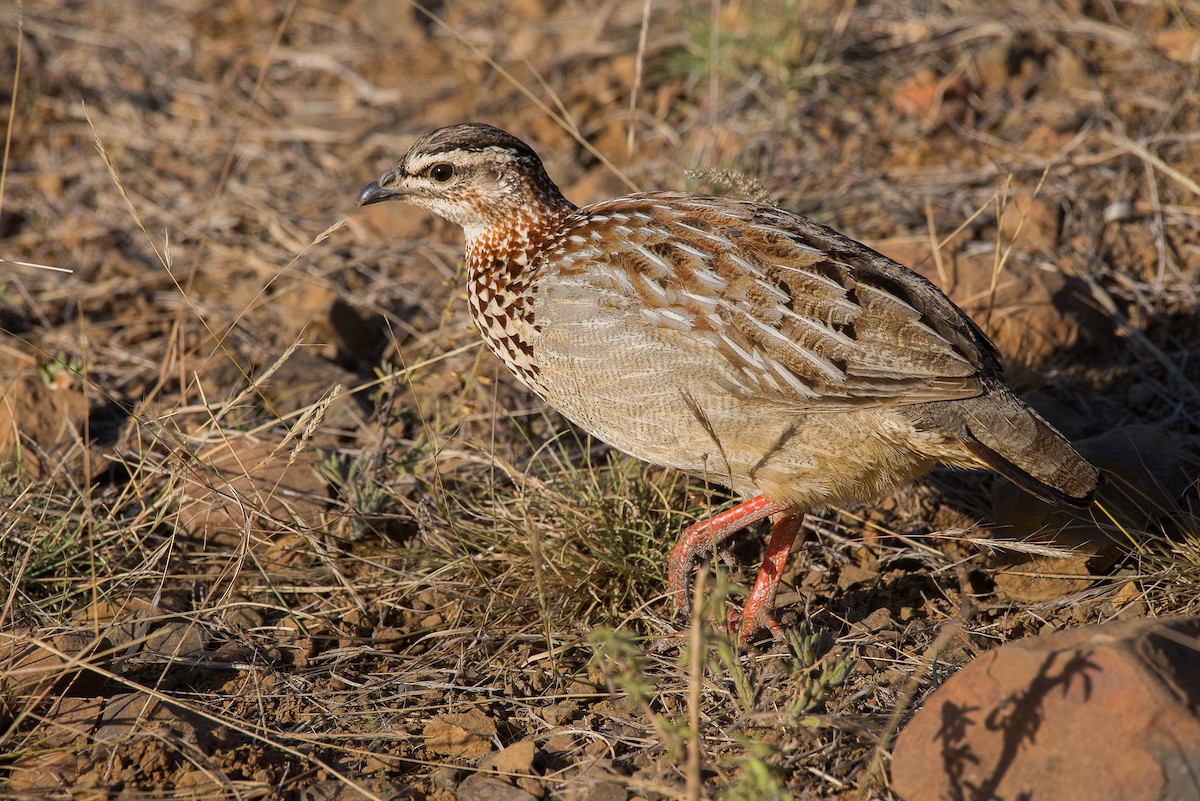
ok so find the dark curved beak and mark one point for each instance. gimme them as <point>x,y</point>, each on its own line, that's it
<point>378,190</point>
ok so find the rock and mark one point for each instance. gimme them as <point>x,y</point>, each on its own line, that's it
<point>1069,73</point>
<point>29,668</point>
<point>597,781</point>
<point>877,621</point>
<point>560,713</point>
<point>930,98</point>
<point>304,381</point>
<point>446,777</point>
<point>479,787</point>
<point>991,62</point>
<point>849,575</point>
<point>561,742</point>
<point>126,714</point>
<point>1106,713</point>
<point>515,765</point>
<point>1146,469</point>
<point>242,477</point>
<point>176,638</point>
<point>35,774</point>
<point>338,790</point>
<point>72,719</point>
<point>336,329</point>
<point>603,790</point>
<point>121,618</point>
<point>1128,603</point>
<point>1179,44</point>
<point>131,715</point>
<point>517,758</point>
<point>1038,579</point>
<point>465,734</point>
<point>1033,315</point>
<point>329,790</point>
<point>137,627</point>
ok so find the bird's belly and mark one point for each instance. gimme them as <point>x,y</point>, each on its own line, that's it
<point>667,405</point>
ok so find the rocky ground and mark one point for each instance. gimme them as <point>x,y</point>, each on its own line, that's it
<point>279,526</point>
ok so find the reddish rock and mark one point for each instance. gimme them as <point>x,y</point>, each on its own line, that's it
<point>245,481</point>
<point>514,764</point>
<point>44,410</point>
<point>466,734</point>
<point>1030,579</point>
<point>1179,44</point>
<point>1033,315</point>
<point>72,720</point>
<point>1106,713</point>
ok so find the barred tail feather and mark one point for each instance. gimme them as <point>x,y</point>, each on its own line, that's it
<point>1016,442</point>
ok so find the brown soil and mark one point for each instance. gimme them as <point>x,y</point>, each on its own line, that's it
<point>278,526</point>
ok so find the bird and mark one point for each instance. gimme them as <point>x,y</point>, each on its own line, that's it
<point>735,341</point>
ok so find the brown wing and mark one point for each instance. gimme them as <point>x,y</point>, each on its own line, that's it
<point>802,314</point>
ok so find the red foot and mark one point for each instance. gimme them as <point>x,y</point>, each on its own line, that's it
<point>757,614</point>
<point>699,539</point>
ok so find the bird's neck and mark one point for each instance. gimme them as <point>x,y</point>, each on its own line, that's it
<point>499,253</point>
<point>501,269</point>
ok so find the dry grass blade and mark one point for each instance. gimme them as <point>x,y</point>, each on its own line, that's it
<point>328,232</point>
<point>37,266</point>
<point>1139,150</point>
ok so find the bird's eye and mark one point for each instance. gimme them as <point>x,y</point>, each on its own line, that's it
<point>441,173</point>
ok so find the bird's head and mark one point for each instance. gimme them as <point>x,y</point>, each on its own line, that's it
<point>474,175</point>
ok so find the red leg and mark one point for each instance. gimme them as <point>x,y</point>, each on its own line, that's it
<point>699,539</point>
<point>757,614</point>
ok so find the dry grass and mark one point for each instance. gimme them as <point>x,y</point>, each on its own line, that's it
<point>272,490</point>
